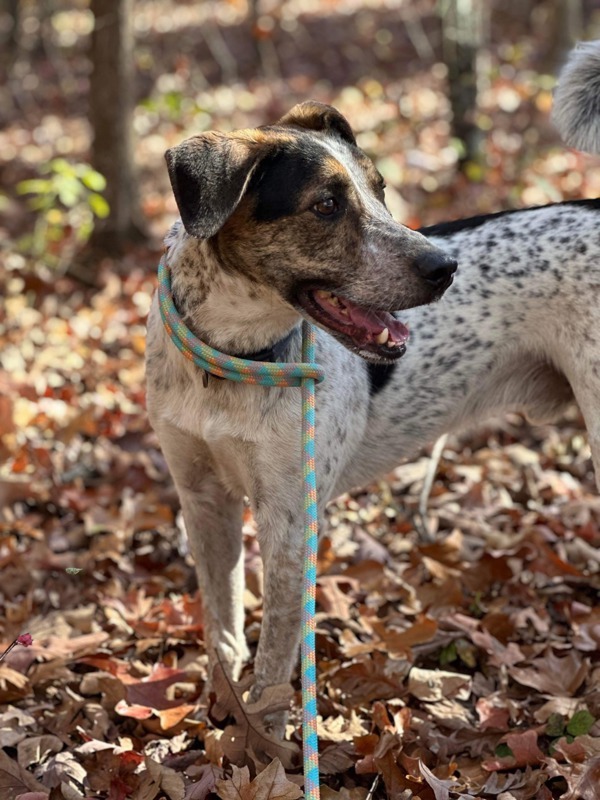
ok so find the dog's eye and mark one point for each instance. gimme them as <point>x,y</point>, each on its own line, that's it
<point>327,207</point>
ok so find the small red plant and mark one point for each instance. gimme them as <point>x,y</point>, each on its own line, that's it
<point>26,639</point>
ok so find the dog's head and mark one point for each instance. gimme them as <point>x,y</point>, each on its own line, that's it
<point>297,206</point>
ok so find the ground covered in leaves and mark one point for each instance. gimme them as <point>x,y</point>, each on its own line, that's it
<point>467,667</point>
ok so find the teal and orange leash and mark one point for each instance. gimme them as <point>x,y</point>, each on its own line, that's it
<point>308,663</point>
<point>306,374</point>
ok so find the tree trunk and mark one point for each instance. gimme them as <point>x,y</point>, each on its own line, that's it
<point>111,118</point>
<point>462,37</point>
<point>9,41</point>
<point>559,25</point>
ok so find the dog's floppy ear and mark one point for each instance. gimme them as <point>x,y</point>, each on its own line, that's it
<point>319,117</point>
<point>209,174</point>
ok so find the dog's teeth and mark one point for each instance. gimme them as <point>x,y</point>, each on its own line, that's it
<point>322,293</point>
<point>382,337</point>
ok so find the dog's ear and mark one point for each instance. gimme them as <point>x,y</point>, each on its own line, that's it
<point>209,174</point>
<point>319,117</point>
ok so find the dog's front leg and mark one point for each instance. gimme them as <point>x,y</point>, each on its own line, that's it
<point>282,553</point>
<point>213,521</point>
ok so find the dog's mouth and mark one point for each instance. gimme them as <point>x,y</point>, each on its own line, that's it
<point>375,335</point>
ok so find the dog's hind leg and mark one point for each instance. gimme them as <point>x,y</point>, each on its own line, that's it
<point>213,521</point>
<point>588,399</point>
<point>584,376</point>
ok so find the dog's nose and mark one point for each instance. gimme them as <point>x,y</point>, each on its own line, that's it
<point>436,267</point>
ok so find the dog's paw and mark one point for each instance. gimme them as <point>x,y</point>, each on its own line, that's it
<point>274,722</point>
<point>231,654</point>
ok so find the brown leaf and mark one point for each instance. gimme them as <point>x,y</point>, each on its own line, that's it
<point>436,684</point>
<point>552,674</point>
<point>587,786</point>
<point>35,749</point>
<point>492,714</point>
<point>14,780</point>
<point>337,758</point>
<point>32,796</point>
<point>270,784</point>
<point>441,788</point>
<point>331,597</point>
<point>158,780</point>
<point>499,655</point>
<point>398,643</point>
<point>357,793</point>
<point>370,678</point>
<point>248,741</point>
<point>525,751</point>
<point>206,785</point>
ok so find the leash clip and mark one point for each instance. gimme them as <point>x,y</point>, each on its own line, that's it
<point>204,378</point>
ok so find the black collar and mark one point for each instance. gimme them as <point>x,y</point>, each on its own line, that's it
<point>273,353</point>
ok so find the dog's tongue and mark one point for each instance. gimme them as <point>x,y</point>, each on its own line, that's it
<point>374,322</point>
<point>371,324</point>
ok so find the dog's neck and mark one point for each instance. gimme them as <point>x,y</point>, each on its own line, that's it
<point>223,308</point>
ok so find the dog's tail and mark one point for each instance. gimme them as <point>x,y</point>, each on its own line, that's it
<point>576,110</point>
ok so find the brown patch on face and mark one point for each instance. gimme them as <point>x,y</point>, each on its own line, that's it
<point>265,137</point>
<point>333,169</point>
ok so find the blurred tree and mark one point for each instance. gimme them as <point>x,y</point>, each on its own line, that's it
<point>463,34</point>
<point>562,24</point>
<point>12,8</point>
<point>9,37</point>
<point>111,117</point>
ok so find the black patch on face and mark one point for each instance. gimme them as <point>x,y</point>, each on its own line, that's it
<point>458,225</point>
<point>283,178</point>
<point>379,376</point>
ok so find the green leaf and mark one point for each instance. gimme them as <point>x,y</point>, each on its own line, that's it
<point>555,726</point>
<point>69,196</point>
<point>99,205</point>
<point>93,180</point>
<point>580,723</point>
<point>466,652</point>
<point>61,166</point>
<point>503,751</point>
<point>43,202</point>
<point>34,186</point>
<point>84,230</point>
<point>448,654</point>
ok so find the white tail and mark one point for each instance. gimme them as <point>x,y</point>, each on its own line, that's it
<point>576,111</point>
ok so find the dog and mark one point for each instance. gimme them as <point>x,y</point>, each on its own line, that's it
<point>279,224</point>
<point>288,222</point>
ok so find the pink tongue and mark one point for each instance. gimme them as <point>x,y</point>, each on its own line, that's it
<point>370,322</point>
<point>375,322</point>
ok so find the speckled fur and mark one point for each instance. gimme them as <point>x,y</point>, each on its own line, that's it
<point>519,329</point>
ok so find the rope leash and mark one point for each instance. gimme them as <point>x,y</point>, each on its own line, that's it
<point>306,375</point>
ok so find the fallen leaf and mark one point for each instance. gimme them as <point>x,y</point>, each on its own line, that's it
<point>431,685</point>
<point>248,741</point>
<point>15,780</point>
<point>525,752</point>
<point>552,674</point>
<point>270,784</point>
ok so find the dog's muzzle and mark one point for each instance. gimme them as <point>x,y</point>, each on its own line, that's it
<point>436,267</point>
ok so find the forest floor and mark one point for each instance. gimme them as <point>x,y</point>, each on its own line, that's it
<point>464,668</point>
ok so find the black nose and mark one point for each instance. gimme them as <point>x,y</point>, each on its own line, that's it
<point>435,267</point>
